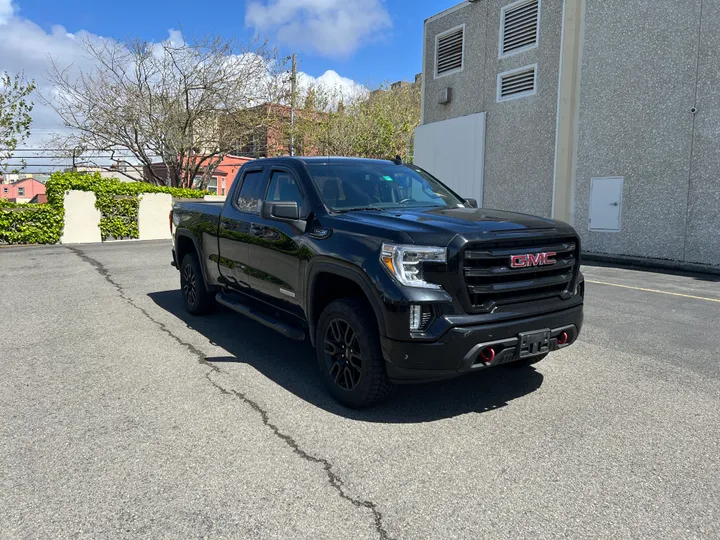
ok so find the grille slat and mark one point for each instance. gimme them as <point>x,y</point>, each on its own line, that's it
<point>491,281</point>
<point>506,252</point>
<point>505,271</point>
<point>550,281</point>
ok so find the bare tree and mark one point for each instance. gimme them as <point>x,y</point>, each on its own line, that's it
<point>167,100</point>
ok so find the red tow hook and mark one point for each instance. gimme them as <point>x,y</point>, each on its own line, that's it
<point>487,355</point>
<point>563,338</point>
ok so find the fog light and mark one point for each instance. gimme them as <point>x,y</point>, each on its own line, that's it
<point>580,289</point>
<point>415,318</point>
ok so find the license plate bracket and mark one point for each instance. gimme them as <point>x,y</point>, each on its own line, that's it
<point>533,343</point>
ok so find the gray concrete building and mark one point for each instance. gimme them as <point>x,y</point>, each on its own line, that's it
<point>601,113</point>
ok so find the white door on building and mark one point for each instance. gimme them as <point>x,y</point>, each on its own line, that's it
<point>454,152</point>
<point>606,204</point>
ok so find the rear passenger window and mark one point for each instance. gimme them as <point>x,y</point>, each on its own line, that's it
<point>251,192</point>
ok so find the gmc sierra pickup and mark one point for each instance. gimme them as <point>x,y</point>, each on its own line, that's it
<point>392,276</point>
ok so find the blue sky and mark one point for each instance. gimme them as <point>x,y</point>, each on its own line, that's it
<point>380,41</point>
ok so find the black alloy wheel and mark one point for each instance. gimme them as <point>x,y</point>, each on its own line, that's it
<point>189,284</point>
<point>349,354</point>
<point>343,355</point>
<point>197,299</point>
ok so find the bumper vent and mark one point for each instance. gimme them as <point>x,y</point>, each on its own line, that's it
<point>491,280</point>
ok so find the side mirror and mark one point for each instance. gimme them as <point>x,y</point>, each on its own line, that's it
<point>472,203</point>
<point>283,211</point>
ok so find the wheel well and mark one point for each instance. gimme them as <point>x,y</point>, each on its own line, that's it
<point>183,246</point>
<point>330,287</point>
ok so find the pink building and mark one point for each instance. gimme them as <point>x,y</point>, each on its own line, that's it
<point>227,171</point>
<point>24,190</point>
<point>224,174</point>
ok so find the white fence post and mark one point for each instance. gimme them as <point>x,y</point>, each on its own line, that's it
<point>82,219</point>
<point>153,216</point>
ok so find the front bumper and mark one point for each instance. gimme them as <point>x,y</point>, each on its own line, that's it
<point>459,350</point>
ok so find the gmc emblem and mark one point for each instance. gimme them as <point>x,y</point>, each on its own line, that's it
<point>530,260</point>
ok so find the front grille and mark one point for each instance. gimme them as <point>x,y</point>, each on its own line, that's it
<point>491,282</point>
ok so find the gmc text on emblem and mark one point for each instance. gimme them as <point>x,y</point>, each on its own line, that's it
<point>528,260</point>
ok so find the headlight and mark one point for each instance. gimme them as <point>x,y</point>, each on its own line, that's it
<point>405,263</point>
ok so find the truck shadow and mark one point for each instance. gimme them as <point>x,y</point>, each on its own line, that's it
<point>292,365</point>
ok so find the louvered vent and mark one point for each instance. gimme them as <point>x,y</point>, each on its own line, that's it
<point>516,84</point>
<point>450,51</point>
<point>520,26</point>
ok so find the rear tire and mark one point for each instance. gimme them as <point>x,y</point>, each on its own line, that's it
<point>349,354</point>
<point>525,362</point>
<point>196,297</point>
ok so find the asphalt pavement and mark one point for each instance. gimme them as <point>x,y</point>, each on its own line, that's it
<point>122,417</point>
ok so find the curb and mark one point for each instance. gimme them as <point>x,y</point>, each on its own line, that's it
<point>652,264</point>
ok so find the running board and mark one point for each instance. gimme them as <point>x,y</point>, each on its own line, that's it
<point>238,306</point>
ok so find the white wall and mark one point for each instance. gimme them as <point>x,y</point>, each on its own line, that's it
<point>82,219</point>
<point>153,216</point>
<point>454,152</point>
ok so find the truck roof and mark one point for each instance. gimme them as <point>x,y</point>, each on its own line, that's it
<point>330,159</point>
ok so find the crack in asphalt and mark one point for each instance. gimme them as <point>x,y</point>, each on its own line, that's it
<point>333,479</point>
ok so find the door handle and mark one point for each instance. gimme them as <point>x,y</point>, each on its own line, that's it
<point>614,204</point>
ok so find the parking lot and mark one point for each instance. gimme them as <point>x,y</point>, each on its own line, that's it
<point>124,417</point>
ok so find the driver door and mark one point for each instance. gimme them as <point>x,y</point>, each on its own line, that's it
<point>275,251</point>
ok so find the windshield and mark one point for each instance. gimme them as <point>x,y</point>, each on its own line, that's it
<point>368,185</point>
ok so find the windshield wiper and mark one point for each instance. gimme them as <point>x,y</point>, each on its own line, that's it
<point>358,209</point>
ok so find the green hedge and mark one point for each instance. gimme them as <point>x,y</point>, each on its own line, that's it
<point>30,223</point>
<point>117,201</point>
<point>59,183</point>
<point>119,217</point>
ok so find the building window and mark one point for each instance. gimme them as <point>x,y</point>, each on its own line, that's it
<point>21,192</point>
<point>5,190</point>
<point>450,51</point>
<point>212,185</point>
<point>517,83</point>
<point>519,27</point>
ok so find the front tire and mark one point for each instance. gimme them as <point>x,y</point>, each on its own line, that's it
<point>349,354</point>
<point>197,299</point>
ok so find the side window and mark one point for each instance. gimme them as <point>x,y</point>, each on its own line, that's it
<point>283,188</point>
<point>250,192</point>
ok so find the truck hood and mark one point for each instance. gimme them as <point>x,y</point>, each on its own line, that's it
<point>438,226</point>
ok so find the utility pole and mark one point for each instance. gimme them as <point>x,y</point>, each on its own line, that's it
<point>293,82</point>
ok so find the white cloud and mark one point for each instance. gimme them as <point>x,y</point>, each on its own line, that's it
<point>342,86</point>
<point>335,28</point>
<point>6,11</point>
<point>26,47</point>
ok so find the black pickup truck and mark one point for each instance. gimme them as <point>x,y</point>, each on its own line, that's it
<point>392,276</point>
